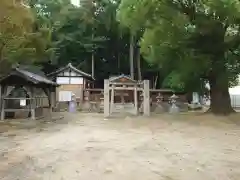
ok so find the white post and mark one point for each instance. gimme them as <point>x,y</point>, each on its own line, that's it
<point>195,98</point>
<point>106,98</point>
<point>136,100</point>
<point>112,99</point>
<point>146,99</point>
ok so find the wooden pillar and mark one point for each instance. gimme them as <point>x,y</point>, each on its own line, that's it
<point>112,99</point>
<point>146,99</point>
<point>135,100</point>
<point>52,93</point>
<point>106,98</point>
<point>57,93</point>
<point>2,103</point>
<point>32,105</point>
<point>3,109</point>
<point>41,102</point>
<point>81,94</point>
<point>54,97</point>
<point>52,101</point>
<point>6,90</point>
<point>0,96</point>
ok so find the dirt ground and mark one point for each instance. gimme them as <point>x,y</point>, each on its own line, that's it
<point>87,147</point>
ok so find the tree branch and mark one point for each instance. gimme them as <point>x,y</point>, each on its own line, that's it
<point>235,42</point>
<point>186,7</point>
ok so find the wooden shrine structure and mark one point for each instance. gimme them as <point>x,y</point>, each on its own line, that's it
<point>71,81</point>
<point>124,83</point>
<point>30,82</point>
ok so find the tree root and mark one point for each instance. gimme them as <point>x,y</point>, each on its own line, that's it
<point>221,112</point>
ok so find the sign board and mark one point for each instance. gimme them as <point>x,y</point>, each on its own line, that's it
<point>23,102</point>
<point>65,96</point>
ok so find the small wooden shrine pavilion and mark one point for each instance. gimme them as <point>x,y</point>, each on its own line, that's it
<point>31,83</point>
<point>71,81</point>
<point>120,86</point>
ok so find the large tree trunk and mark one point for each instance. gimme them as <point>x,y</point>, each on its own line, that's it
<point>93,65</point>
<point>131,56</point>
<point>219,94</point>
<point>139,65</point>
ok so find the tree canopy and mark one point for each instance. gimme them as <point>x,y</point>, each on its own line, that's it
<point>198,40</point>
<point>13,29</point>
<point>183,44</point>
<point>21,41</point>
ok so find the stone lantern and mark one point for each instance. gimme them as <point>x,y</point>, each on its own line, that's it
<point>173,101</point>
<point>141,103</point>
<point>159,108</point>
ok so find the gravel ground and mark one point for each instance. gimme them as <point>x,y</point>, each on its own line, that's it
<point>86,147</point>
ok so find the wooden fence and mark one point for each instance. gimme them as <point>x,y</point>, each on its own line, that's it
<point>97,94</point>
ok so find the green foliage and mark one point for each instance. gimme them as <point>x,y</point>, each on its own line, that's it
<point>23,38</point>
<point>197,39</point>
<point>173,81</point>
<point>14,29</point>
<point>77,32</point>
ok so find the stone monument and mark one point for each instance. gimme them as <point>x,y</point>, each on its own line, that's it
<point>174,109</point>
<point>159,108</point>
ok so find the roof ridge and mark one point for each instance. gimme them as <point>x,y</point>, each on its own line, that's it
<point>69,65</point>
<point>34,76</point>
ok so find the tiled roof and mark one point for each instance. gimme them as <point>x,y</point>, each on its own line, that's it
<point>70,66</point>
<point>35,77</point>
<point>29,76</point>
<point>114,78</point>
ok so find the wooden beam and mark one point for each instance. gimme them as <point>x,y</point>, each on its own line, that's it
<point>125,83</point>
<point>10,98</point>
<point>15,110</point>
<point>131,88</point>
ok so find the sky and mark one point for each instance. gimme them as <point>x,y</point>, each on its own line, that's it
<point>75,2</point>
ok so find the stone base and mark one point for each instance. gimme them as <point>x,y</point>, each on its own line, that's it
<point>195,106</point>
<point>183,107</point>
<point>124,108</point>
<point>86,106</point>
<point>174,109</point>
<point>159,109</point>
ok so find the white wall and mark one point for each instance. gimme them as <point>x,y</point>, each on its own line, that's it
<point>76,80</point>
<point>235,96</point>
<point>68,80</point>
<point>63,80</point>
